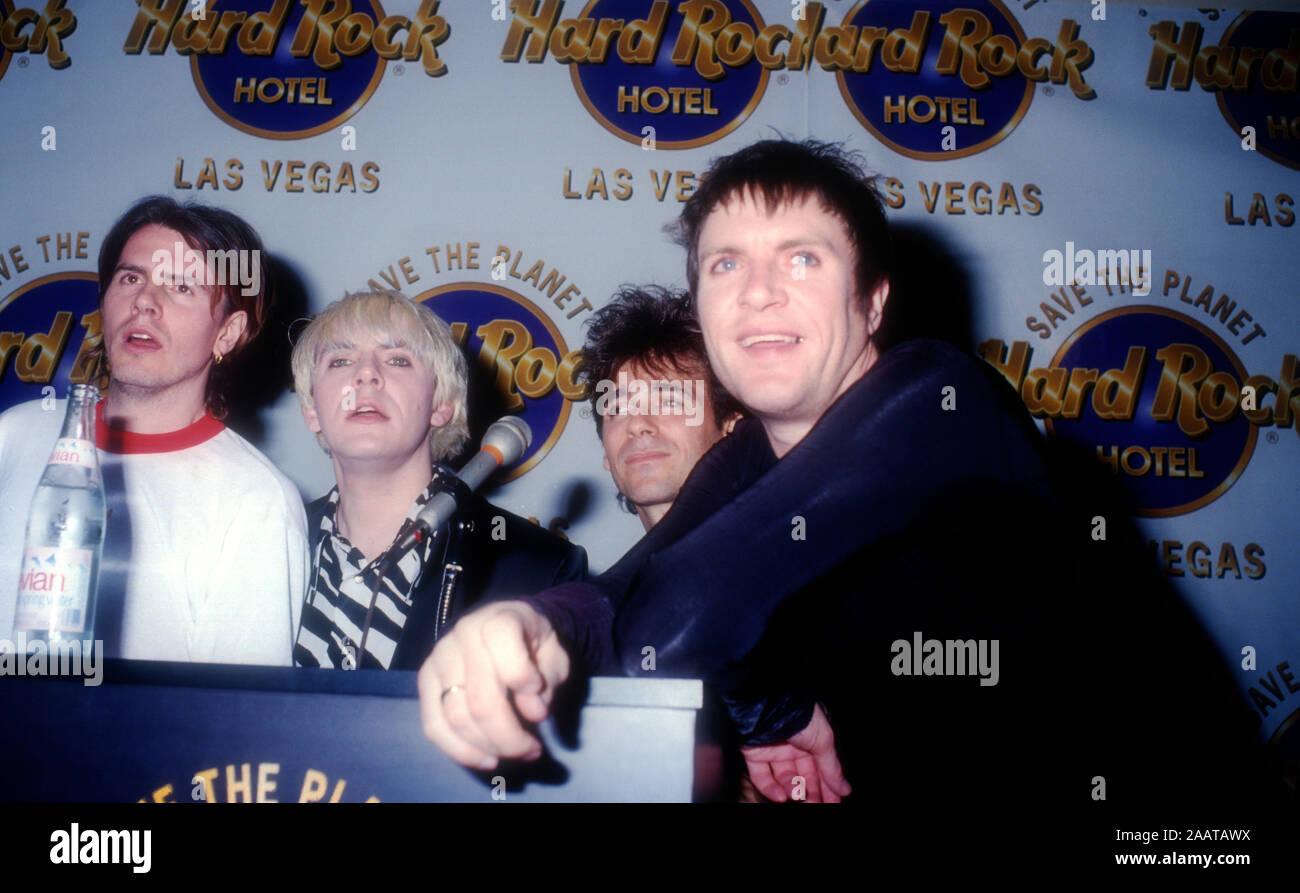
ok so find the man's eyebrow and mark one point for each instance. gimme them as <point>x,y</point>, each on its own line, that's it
<point>166,274</point>
<point>784,245</point>
<point>721,249</point>
<point>801,241</point>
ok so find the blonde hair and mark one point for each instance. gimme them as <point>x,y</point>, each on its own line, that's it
<point>391,317</point>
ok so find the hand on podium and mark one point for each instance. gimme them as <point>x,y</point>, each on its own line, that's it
<point>809,755</point>
<point>497,664</point>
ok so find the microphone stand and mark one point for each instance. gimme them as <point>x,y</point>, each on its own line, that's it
<point>384,563</point>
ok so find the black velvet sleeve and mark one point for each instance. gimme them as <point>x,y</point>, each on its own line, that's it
<point>583,615</point>
<point>886,453</point>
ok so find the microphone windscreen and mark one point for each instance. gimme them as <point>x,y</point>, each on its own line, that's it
<point>509,437</point>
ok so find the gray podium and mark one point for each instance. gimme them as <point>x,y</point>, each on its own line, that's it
<point>192,733</point>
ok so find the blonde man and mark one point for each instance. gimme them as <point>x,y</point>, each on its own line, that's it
<point>383,385</point>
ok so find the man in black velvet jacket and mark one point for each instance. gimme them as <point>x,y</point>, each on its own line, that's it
<point>878,568</point>
<point>383,384</point>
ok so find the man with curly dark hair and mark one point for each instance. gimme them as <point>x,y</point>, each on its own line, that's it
<point>657,405</point>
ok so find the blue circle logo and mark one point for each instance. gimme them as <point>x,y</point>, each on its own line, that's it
<point>1269,102</point>
<point>934,84</point>
<point>1156,396</point>
<point>47,331</point>
<point>689,76</point>
<point>284,70</point>
<point>513,346</point>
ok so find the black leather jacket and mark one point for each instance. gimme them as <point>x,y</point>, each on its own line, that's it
<point>474,567</point>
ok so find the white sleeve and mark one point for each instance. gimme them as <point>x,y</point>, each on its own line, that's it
<point>258,582</point>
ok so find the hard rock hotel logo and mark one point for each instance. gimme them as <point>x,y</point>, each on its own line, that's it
<point>1252,71</point>
<point>937,81</point>
<point>288,70</point>
<point>661,74</point>
<point>688,73</point>
<point>48,329</point>
<point>518,356</point>
<point>1158,398</point>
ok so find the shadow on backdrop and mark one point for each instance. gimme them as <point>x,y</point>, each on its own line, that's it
<point>263,374</point>
<point>930,291</point>
<point>486,405</point>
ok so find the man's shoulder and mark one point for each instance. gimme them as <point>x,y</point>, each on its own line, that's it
<point>486,513</point>
<point>317,506</point>
<point>933,371</point>
<point>249,468</point>
<point>926,357</point>
<point>316,509</point>
<point>494,525</point>
<point>32,425</point>
<point>33,413</point>
<point>943,405</point>
<point>725,469</point>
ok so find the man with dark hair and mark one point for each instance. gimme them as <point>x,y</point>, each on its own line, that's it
<point>657,405</point>
<point>232,261</point>
<point>645,343</point>
<point>778,173</point>
<point>846,564</point>
<point>205,553</point>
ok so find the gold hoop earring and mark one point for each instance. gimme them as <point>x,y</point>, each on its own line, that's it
<point>216,358</point>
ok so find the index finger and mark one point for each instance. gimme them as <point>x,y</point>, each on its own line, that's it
<point>532,675</point>
<point>492,669</point>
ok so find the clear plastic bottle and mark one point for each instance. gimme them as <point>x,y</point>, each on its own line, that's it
<point>59,575</point>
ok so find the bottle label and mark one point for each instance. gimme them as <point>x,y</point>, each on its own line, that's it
<point>53,590</point>
<point>70,451</point>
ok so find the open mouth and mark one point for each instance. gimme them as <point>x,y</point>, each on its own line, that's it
<point>141,341</point>
<point>366,414</point>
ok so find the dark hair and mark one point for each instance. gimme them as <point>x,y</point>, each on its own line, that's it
<point>204,228</point>
<point>777,172</point>
<point>655,327</point>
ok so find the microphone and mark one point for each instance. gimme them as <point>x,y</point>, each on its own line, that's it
<point>504,443</point>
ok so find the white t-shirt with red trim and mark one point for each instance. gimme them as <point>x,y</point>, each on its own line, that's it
<point>205,552</point>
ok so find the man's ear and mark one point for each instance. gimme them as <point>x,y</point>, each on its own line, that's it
<point>441,414</point>
<point>310,416</point>
<point>231,329</point>
<point>876,306</point>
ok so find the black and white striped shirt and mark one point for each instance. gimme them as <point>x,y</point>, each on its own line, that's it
<point>342,583</point>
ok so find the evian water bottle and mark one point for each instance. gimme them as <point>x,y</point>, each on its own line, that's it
<point>65,533</point>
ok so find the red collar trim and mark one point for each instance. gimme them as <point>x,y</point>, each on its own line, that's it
<point>116,440</point>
